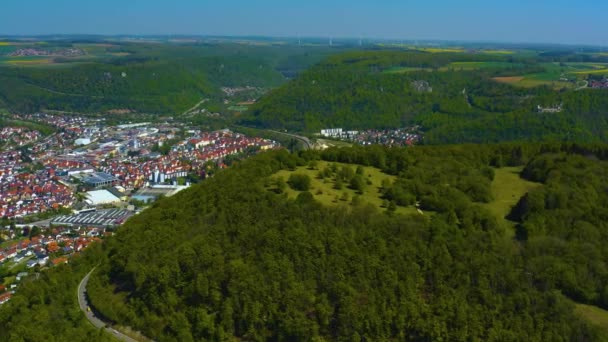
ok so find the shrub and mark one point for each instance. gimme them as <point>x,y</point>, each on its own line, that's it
<point>299,182</point>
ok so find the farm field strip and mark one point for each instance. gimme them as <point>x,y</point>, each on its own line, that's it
<point>480,65</point>
<point>403,70</point>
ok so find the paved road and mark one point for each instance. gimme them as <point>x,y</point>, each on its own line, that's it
<point>305,140</point>
<point>98,323</point>
<point>584,86</point>
<point>195,106</point>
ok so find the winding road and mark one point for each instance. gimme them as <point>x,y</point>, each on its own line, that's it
<point>195,106</point>
<point>304,140</point>
<point>90,315</point>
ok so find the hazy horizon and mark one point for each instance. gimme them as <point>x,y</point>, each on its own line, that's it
<point>551,22</point>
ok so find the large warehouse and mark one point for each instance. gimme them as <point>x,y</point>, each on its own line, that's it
<point>100,197</point>
<point>99,179</point>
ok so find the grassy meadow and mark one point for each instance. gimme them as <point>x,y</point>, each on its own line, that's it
<point>441,50</point>
<point>593,314</point>
<point>508,187</point>
<point>324,190</point>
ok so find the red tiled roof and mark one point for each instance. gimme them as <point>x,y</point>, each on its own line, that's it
<point>62,260</point>
<point>5,297</point>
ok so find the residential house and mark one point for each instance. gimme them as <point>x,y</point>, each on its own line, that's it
<point>59,261</point>
<point>5,297</point>
<point>22,275</point>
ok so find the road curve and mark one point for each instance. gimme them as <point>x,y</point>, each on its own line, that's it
<point>304,140</point>
<point>90,315</point>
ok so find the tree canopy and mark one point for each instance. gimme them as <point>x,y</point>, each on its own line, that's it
<point>356,90</point>
<point>234,258</point>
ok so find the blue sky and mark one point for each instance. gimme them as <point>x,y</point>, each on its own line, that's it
<point>556,21</point>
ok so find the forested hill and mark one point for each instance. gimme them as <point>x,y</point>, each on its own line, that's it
<point>145,77</point>
<point>237,257</point>
<point>148,85</point>
<point>452,95</point>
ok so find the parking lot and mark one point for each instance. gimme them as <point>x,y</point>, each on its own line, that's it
<point>98,218</point>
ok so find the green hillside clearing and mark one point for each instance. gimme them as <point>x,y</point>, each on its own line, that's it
<point>508,187</point>
<point>593,314</point>
<point>325,192</point>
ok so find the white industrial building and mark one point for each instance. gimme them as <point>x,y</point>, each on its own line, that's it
<point>159,177</point>
<point>82,141</point>
<point>331,132</point>
<point>100,197</point>
<point>337,133</point>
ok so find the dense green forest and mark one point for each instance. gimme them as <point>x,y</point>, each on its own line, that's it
<point>235,257</point>
<point>46,308</point>
<point>452,95</point>
<point>148,78</point>
<point>354,91</point>
<point>247,255</point>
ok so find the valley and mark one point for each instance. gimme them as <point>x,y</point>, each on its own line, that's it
<point>276,189</point>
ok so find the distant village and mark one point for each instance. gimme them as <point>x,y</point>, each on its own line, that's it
<point>105,164</point>
<point>390,137</point>
<point>52,247</point>
<point>29,52</point>
<point>599,84</point>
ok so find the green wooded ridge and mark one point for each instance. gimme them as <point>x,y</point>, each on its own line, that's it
<point>234,257</point>
<point>158,78</point>
<point>353,90</point>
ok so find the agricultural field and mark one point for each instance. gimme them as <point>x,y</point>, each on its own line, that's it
<point>557,75</point>
<point>153,81</point>
<point>509,79</point>
<point>25,61</point>
<point>469,66</point>
<point>404,70</point>
<point>557,71</point>
<point>463,50</point>
<point>38,62</point>
<point>589,68</point>
<point>6,48</point>
<point>92,52</point>
<point>441,50</point>
<point>498,52</point>
<point>524,82</point>
<point>324,190</point>
<point>459,49</point>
